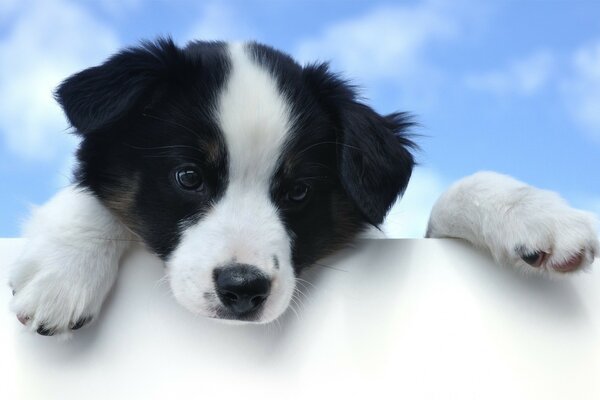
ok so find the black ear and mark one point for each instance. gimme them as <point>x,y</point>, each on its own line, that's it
<point>374,155</point>
<point>375,163</point>
<point>100,95</point>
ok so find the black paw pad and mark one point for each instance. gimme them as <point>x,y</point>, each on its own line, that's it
<point>80,323</point>
<point>42,330</point>
<point>533,258</point>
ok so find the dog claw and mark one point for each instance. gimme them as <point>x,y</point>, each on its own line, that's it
<point>42,330</point>
<point>81,323</point>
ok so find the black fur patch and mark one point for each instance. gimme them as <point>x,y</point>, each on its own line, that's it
<point>161,118</point>
<point>356,161</point>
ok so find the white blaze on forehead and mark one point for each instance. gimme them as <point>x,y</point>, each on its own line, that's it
<point>254,118</point>
<point>244,225</point>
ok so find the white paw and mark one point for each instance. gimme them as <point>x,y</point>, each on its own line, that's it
<point>532,229</point>
<point>58,287</point>
<point>69,263</point>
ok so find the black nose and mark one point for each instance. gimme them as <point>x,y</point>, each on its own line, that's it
<point>242,288</point>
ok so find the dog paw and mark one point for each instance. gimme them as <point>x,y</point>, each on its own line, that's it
<point>69,263</point>
<point>54,293</point>
<point>557,241</point>
<point>531,229</point>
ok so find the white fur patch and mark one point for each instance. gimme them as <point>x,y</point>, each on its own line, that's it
<point>244,225</point>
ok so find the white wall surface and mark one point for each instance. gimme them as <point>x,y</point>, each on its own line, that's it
<point>397,319</point>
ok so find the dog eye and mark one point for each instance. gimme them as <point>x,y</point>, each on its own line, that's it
<point>298,193</point>
<point>189,178</point>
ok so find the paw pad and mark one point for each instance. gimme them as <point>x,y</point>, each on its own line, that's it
<point>24,319</point>
<point>535,259</point>
<point>570,265</point>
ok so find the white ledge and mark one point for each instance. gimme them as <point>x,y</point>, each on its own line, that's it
<point>413,319</point>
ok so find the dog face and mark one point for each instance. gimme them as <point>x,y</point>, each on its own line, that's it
<point>234,164</point>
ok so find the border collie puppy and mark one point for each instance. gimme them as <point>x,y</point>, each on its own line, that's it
<point>239,168</point>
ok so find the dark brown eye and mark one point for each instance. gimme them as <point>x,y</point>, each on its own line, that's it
<point>189,178</point>
<point>298,193</point>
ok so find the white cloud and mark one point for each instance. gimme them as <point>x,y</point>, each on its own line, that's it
<point>119,8</point>
<point>576,78</point>
<point>220,22</point>
<point>409,216</point>
<point>388,49</point>
<point>582,89</point>
<point>525,76</point>
<point>385,43</point>
<point>44,43</point>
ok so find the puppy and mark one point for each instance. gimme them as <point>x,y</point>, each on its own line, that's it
<point>240,168</point>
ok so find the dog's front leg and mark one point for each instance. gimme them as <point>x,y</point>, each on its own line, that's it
<point>523,226</point>
<point>69,263</point>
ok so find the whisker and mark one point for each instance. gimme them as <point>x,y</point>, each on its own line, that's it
<point>294,310</point>
<point>329,266</point>
<point>298,301</point>
<point>298,284</point>
<point>170,156</point>
<point>300,294</point>
<point>316,177</point>
<point>187,129</point>
<point>306,282</point>
<point>175,146</point>
<point>317,164</point>
<point>162,282</point>
<point>326,142</point>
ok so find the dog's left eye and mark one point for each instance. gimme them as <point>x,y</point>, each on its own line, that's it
<point>189,178</point>
<point>298,193</point>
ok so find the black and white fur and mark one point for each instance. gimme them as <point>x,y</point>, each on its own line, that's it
<point>287,165</point>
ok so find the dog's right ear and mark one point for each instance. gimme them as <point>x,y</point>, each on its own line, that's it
<point>100,95</point>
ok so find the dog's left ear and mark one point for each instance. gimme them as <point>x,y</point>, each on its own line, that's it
<point>374,158</point>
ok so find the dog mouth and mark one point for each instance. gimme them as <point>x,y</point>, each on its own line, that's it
<point>219,312</point>
<point>224,315</point>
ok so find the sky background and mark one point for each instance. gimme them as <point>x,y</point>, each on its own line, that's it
<point>509,86</point>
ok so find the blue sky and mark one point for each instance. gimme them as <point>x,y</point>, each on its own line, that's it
<point>511,86</point>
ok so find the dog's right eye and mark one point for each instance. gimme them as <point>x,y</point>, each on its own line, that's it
<point>189,178</point>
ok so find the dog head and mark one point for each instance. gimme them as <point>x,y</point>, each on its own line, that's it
<point>236,165</point>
